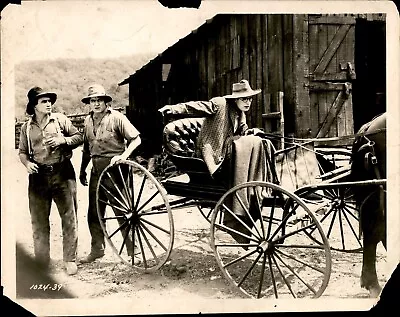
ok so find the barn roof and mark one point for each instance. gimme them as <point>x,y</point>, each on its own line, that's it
<point>169,50</point>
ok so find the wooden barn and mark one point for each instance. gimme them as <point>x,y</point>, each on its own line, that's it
<point>321,76</point>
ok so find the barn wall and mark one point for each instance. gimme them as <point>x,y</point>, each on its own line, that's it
<point>274,52</point>
<point>208,61</point>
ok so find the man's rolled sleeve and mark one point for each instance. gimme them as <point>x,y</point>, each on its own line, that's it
<point>73,137</point>
<point>128,131</point>
<point>23,140</point>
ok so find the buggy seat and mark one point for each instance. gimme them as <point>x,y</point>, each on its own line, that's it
<point>179,137</point>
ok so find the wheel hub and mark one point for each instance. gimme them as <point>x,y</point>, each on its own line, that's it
<point>339,202</point>
<point>265,247</point>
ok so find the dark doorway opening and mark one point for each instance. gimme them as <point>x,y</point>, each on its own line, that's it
<point>369,87</point>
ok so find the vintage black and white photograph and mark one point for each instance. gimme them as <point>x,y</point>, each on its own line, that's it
<point>220,156</point>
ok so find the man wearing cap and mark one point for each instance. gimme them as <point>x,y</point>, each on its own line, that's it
<point>45,148</point>
<point>105,133</point>
<point>231,151</point>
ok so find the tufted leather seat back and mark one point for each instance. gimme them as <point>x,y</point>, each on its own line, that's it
<point>180,136</point>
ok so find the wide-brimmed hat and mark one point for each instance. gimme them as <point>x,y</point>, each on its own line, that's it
<point>242,89</point>
<point>34,94</point>
<point>96,91</point>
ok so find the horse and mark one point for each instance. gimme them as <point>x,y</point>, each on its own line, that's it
<point>368,161</point>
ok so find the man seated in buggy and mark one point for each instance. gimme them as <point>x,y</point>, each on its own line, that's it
<point>231,151</point>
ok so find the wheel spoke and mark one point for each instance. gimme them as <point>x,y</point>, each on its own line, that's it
<point>352,229</point>
<point>132,187</point>
<point>124,241</point>
<point>293,232</point>
<point>148,244</point>
<point>239,258</point>
<point>249,269</point>
<point>272,276</point>
<point>341,228</point>
<point>133,248</point>
<point>238,219</point>
<point>118,190</point>
<point>352,207</point>
<point>113,197</point>
<point>300,261</point>
<point>112,205</point>
<point>125,187</point>
<point>154,237</point>
<point>118,229</point>
<point>156,226</point>
<point>260,284</point>
<point>147,201</point>
<point>298,276</point>
<point>271,218</point>
<point>350,213</point>
<point>323,218</point>
<point>331,224</point>
<point>283,276</point>
<point>259,206</point>
<point>225,228</point>
<point>331,194</point>
<point>141,248</point>
<point>247,214</point>
<point>140,192</point>
<point>284,220</point>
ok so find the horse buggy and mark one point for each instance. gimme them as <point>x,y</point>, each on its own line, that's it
<point>285,229</point>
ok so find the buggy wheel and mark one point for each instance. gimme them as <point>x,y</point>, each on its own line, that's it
<point>137,219</point>
<point>336,210</point>
<point>261,250</point>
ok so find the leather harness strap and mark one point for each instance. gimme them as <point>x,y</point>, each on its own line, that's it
<point>370,160</point>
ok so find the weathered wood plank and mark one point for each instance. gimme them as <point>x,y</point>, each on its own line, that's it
<point>331,50</point>
<point>322,86</point>
<point>258,82</point>
<point>329,19</point>
<point>302,98</point>
<point>288,73</point>
<point>314,59</point>
<point>245,32</point>
<point>253,67</point>
<point>348,107</point>
<point>332,67</point>
<point>275,53</point>
<point>321,97</point>
<point>265,66</point>
<point>329,76</point>
<point>266,111</point>
<point>211,56</point>
<point>203,70</point>
<point>332,114</point>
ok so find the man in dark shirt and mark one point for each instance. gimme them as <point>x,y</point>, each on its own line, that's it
<point>45,148</point>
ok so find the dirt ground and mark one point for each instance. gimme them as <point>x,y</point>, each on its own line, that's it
<point>191,274</point>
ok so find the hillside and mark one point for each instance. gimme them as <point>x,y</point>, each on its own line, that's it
<point>69,78</point>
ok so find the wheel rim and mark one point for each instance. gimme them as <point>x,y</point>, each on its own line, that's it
<point>280,261</point>
<point>138,218</point>
<point>338,215</point>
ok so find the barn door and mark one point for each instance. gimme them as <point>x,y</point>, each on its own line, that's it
<point>331,72</point>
